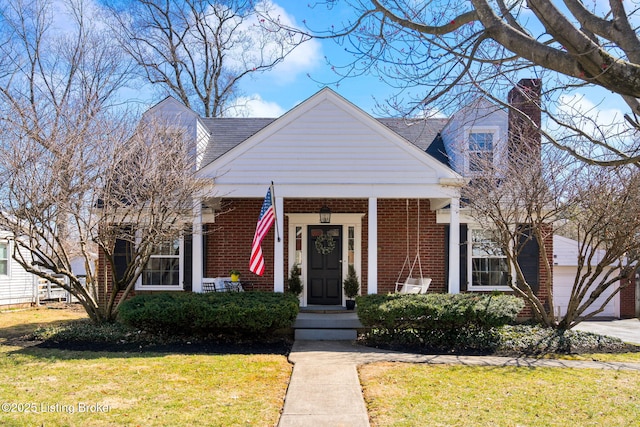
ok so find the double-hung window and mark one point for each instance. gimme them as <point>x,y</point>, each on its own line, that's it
<point>488,262</point>
<point>480,150</point>
<point>163,268</point>
<point>4,258</point>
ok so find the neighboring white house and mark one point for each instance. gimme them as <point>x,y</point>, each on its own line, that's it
<point>565,265</point>
<point>17,287</point>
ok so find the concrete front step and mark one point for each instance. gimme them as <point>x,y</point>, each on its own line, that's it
<point>326,334</point>
<point>333,326</point>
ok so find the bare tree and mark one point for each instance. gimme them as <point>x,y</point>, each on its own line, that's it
<point>523,201</point>
<point>77,175</point>
<point>605,211</point>
<point>199,50</point>
<point>435,52</point>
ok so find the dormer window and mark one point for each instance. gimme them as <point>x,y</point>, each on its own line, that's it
<point>480,150</point>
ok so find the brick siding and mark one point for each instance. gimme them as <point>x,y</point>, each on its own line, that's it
<point>628,299</point>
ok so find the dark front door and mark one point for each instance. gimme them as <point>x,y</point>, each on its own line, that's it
<point>324,275</point>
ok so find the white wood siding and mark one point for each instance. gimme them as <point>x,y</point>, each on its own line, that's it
<point>479,115</point>
<point>18,286</point>
<point>202,139</point>
<point>333,145</point>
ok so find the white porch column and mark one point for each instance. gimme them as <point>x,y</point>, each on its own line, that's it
<point>454,247</point>
<point>196,248</point>
<point>372,271</point>
<point>278,250</point>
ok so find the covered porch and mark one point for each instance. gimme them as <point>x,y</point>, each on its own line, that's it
<point>380,236</point>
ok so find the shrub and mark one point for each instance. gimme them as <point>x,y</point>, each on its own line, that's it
<point>446,322</point>
<point>437,311</point>
<point>351,283</point>
<point>253,314</point>
<point>537,340</point>
<point>294,284</point>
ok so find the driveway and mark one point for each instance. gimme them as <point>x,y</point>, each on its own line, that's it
<point>628,330</point>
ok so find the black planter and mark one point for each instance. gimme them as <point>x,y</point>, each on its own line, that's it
<point>351,304</point>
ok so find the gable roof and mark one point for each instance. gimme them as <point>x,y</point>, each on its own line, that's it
<point>420,132</point>
<point>328,146</point>
<point>227,133</point>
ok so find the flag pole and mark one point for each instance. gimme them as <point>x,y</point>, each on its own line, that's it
<point>275,212</point>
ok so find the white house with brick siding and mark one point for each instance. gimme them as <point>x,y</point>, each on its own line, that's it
<point>388,183</point>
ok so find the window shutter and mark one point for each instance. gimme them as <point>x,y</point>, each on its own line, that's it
<point>187,276</point>
<point>122,255</point>
<point>529,258</point>
<point>463,255</point>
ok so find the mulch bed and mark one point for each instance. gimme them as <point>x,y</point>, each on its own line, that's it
<point>279,347</point>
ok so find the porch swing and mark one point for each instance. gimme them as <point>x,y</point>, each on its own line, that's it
<point>412,285</point>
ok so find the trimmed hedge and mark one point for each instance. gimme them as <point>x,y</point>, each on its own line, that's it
<point>447,322</point>
<point>229,313</point>
<point>437,311</point>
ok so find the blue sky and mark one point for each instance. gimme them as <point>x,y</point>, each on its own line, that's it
<point>306,70</point>
<point>288,84</point>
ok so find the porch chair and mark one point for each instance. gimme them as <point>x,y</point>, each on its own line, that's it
<point>414,285</point>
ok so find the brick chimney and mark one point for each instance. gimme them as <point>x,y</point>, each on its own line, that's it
<point>525,97</point>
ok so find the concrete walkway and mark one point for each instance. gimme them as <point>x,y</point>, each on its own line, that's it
<point>628,330</point>
<point>325,389</point>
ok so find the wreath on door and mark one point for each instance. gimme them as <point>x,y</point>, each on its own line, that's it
<point>325,244</point>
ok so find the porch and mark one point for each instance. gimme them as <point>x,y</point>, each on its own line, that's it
<point>375,236</point>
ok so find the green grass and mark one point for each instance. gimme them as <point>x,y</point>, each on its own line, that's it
<point>132,389</point>
<point>600,357</point>
<point>415,394</point>
<point>153,389</point>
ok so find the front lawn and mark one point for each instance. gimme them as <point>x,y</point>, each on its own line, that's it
<point>55,387</point>
<point>399,394</point>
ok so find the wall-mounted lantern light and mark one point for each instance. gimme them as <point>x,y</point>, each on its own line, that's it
<point>325,215</point>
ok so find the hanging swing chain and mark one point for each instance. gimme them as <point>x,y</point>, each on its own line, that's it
<point>417,246</point>
<point>407,260</point>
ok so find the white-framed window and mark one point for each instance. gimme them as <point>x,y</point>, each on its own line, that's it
<point>164,270</point>
<point>4,258</point>
<point>481,144</point>
<point>487,267</point>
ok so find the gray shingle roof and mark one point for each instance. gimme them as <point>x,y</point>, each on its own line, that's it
<point>226,133</point>
<point>420,132</point>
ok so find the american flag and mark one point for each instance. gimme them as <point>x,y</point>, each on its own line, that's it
<point>266,219</point>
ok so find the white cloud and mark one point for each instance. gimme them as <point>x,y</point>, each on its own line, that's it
<point>255,106</point>
<point>592,117</point>
<point>302,59</point>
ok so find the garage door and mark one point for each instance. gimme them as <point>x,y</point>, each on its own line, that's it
<point>563,278</point>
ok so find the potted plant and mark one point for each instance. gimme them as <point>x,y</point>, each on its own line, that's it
<point>294,284</point>
<point>235,275</point>
<point>351,287</point>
